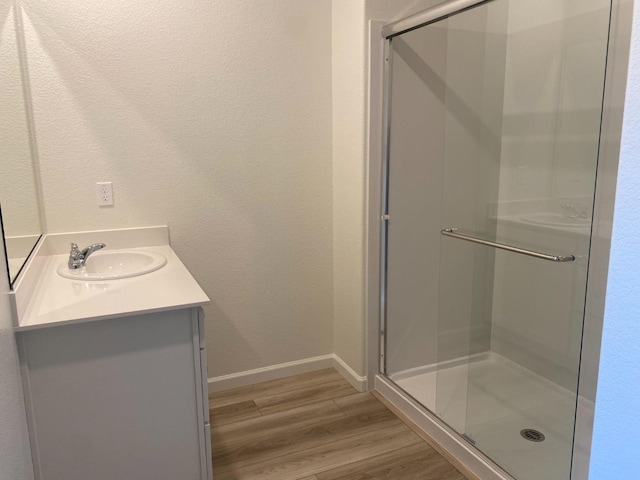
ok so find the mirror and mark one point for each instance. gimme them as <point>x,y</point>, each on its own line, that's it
<point>19,194</point>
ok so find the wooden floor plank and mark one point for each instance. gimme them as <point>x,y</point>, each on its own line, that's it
<point>277,423</point>
<point>234,413</point>
<point>273,387</point>
<point>327,456</point>
<point>417,461</point>
<point>427,439</point>
<point>302,438</point>
<point>304,396</point>
<point>315,426</point>
<point>358,402</point>
<point>452,474</point>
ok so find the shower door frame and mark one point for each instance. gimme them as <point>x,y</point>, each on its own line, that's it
<point>452,443</point>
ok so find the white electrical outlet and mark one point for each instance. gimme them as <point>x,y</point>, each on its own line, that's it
<point>105,194</point>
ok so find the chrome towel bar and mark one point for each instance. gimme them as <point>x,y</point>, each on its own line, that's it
<point>452,232</point>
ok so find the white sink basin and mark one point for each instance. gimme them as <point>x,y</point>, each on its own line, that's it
<point>555,220</point>
<point>112,265</point>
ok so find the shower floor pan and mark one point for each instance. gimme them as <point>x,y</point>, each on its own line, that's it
<point>491,400</point>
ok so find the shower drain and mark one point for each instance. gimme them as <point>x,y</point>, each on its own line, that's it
<point>532,435</point>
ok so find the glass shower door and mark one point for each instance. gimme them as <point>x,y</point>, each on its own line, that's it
<point>524,85</point>
<point>472,142</point>
<point>494,118</point>
<point>414,194</point>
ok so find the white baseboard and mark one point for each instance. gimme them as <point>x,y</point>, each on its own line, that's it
<point>358,382</point>
<point>273,372</point>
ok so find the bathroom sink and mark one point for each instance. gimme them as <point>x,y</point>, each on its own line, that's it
<point>554,220</point>
<point>115,264</point>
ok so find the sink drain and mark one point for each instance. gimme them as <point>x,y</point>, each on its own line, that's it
<point>532,435</point>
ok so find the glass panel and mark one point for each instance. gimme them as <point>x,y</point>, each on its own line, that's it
<point>495,117</point>
<point>522,397</point>
<point>415,188</point>
<point>522,382</point>
<point>476,44</point>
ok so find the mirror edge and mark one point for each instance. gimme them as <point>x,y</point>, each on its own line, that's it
<point>13,281</point>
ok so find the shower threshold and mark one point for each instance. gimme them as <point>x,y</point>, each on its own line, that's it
<point>491,400</point>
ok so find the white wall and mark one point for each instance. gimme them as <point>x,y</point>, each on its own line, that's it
<point>213,117</point>
<point>15,453</point>
<point>348,80</point>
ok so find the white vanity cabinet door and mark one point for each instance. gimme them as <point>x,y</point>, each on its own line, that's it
<point>117,399</point>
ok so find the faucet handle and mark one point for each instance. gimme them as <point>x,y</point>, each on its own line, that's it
<point>75,251</point>
<point>75,257</point>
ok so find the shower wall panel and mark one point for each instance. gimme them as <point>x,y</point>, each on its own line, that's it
<point>554,79</point>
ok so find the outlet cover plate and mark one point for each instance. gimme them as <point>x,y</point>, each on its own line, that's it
<point>104,190</point>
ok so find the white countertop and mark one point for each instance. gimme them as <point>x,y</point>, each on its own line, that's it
<point>59,301</point>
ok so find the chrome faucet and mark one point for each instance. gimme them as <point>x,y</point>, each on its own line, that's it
<point>77,257</point>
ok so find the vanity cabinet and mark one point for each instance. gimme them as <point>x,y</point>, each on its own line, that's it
<point>119,398</point>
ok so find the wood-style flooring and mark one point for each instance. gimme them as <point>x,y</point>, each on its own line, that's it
<point>315,426</point>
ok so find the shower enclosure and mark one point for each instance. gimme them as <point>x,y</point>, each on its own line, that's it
<point>493,115</point>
